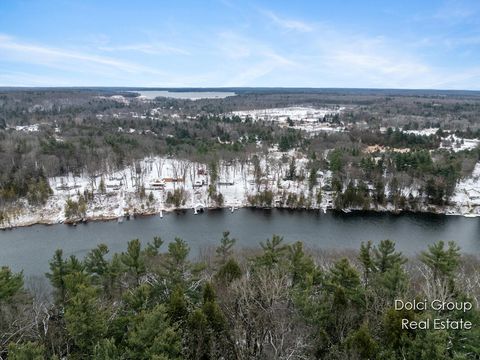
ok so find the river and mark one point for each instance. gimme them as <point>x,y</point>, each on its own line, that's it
<point>30,248</point>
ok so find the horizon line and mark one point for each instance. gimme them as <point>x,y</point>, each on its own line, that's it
<point>204,88</point>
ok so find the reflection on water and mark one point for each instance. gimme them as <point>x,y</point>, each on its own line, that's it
<point>31,248</point>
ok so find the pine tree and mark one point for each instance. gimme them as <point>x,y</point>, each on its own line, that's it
<point>273,251</point>
<point>177,305</point>
<point>101,187</point>
<point>228,272</point>
<point>207,333</point>
<point>382,266</point>
<point>152,337</point>
<point>361,344</point>
<point>343,275</point>
<point>176,265</point>
<point>26,351</point>
<point>391,283</point>
<point>385,256</point>
<point>134,260</point>
<point>152,249</point>
<point>85,320</point>
<point>442,261</point>
<point>95,262</point>
<point>224,250</point>
<point>58,271</point>
<point>365,258</point>
<point>431,345</point>
<point>292,170</point>
<point>115,269</point>
<point>139,298</point>
<point>312,178</point>
<point>105,349</point>
<point>10,283</point>
<point>301,264</point>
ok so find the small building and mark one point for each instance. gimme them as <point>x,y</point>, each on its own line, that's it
<point>169,179</point>
<point>198,183</point>
<point>113,185</point>
<point>157,184</point>
<point>226,182</point>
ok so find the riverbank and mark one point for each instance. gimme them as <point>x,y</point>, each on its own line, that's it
<point>147,188</point>
<point>159,213</point>
<point>30,248</point>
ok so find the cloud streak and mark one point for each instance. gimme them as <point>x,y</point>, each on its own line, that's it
<point>11,48</point>
<point>263,48</point>
<point>288,24</point>
<point>147,48</point>
<point>250,59</point>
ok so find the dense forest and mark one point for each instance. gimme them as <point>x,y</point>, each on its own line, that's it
<point>280,301</point>
<point>90,132</point>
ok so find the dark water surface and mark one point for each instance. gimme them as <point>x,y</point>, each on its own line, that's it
<point>31,248</point>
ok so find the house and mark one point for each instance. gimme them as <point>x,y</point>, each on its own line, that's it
<point>226,182</point>
<point>169,179</point>
<point>157,184</point>
<point>114,185</point>
<point>198,183</point>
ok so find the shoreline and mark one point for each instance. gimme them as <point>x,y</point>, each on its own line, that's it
<point>109,218</point>
<point>120,196</point>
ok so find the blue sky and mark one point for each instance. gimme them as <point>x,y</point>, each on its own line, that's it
<point>224,43</point>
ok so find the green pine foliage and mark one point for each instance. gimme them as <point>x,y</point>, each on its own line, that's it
<point>278,301</point>
<point>10,283</point>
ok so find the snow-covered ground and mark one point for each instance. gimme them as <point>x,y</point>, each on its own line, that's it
<point>455,143</point>
<point>295,113</point>
<point>26,128</point>
<point>449,141</point>
<point>191,95</point>
<point>236,182</point>
<point>467,195</point>
<point>302,118</point>
<point>424,132</point>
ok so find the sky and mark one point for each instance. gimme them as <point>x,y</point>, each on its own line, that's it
<point>226,43</point>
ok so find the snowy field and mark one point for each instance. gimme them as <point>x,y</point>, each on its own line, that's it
<point>295,113</point>
<point>190,95</point>
<point>455,143</point>
<point>467,195</point>
<point>308,119</point>
<point>423,132</point>
<point>449,141</point>
<point>236,182</point>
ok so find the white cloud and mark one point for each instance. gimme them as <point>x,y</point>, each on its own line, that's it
<point>237,46</point>
<point>147,48</point>
<point>316,55</point>
<point>456,10</point>
<point>288,24</point>
<point>13,49</point>
<point>19,78</point>
<point>250,60</point>
<point>377,61</point>
<point>233,46</point>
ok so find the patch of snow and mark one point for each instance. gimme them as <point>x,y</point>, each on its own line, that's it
<point>309,119</point>
<point>423,132</point>
<point>455,143</point>
<point>28,128</point>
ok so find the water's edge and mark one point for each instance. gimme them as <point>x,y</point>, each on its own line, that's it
<point>101,218</point>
